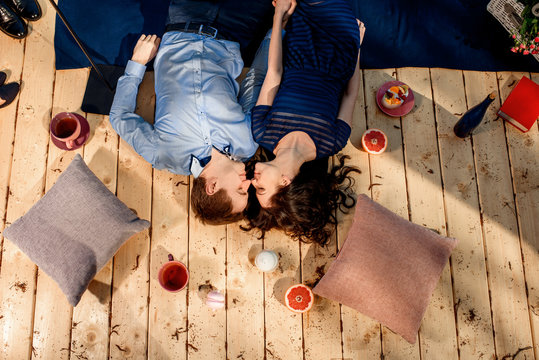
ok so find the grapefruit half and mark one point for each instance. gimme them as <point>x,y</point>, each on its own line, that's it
<point>374,141</point>
<point>299,298</point>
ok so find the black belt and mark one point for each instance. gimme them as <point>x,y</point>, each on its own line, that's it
<point>196,28</point>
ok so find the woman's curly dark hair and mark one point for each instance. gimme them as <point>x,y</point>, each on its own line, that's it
<point>306,208</point>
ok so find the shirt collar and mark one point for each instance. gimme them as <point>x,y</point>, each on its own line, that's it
<point>197,165</point>
<point>226,151</point>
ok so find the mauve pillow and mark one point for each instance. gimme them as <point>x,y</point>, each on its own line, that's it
<point>387,268</point>
<point>74,229</point>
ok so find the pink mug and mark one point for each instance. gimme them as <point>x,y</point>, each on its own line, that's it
<point>66,127</point>
<point>173,275</point>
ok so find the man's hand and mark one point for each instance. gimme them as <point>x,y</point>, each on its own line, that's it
<point>146,49</point>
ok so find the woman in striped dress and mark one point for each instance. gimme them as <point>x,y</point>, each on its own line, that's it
<point>303,113</point>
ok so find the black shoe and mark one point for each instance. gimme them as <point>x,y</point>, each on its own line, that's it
<point>8,93</point>
<point>3,78</point>
<point>27,9</point>
<point>11,24</point>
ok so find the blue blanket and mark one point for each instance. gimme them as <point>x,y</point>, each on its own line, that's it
<point>456,34</point>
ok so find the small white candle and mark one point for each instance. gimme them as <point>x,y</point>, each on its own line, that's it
<point>267,260</point>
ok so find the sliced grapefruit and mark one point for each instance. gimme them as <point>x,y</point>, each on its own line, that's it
<point>299,298</point>
<point>374,141</point>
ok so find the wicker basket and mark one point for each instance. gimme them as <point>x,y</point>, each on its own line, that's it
<point>507,12</point>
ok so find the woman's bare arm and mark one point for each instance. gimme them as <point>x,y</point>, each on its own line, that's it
<point>348,100</point>
<point>283,9</point>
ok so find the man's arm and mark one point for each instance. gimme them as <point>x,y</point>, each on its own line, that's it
<point>348,100</point>
<point>283,10</point>
<point>252,83</point>
<point>130,126</point>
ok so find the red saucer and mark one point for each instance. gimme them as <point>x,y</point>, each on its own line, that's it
<point>84,135</point>
<point>402,110</point>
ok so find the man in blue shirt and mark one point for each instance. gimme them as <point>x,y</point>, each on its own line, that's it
<point>200,128</point>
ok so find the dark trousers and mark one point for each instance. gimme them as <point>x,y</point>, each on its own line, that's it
<point>237,20</point>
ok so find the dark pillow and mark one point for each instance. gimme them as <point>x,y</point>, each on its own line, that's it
<point>387,268</point>
<point>75,229</point>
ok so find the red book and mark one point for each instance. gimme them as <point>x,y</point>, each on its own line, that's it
<point>521,108</point>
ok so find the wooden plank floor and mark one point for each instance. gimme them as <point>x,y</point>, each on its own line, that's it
<point>484,190</point>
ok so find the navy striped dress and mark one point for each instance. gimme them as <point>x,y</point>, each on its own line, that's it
<point>320,50</point>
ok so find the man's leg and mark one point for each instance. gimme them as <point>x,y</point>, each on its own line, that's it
<point>251,84</point>
<point>243,21</point>
<point>199,11</point>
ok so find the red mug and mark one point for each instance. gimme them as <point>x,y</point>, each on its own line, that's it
<point>66,127</point>
<point>173,275</point>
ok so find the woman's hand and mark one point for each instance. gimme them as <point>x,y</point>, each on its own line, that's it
<point>284,9</point>
<point>361,30</point>
<point>146,49</point>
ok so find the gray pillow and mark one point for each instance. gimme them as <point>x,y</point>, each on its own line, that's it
<point>75,229</point>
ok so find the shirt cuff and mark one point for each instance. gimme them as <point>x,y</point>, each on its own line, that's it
<point>133,68</point>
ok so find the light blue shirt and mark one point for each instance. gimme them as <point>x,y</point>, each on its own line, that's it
<point>196,105</point>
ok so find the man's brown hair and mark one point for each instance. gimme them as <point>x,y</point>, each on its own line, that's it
<point>213,209</point>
